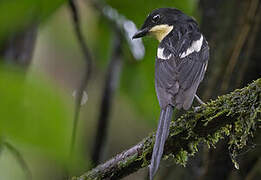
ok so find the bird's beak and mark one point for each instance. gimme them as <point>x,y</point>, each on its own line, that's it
<point>141,33</point>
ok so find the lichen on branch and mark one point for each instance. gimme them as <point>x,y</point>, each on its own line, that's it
<point>236,115</point>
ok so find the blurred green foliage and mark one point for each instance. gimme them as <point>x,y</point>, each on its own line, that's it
<point>138,10</point>
<point>34,112</point>
<point>137,82</point>
<point>17,14</point>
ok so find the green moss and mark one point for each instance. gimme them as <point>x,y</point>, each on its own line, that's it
<point>127,161</point>
<point>235,115</point>
<point>147,149</point>
<point>241,107</point>
<point>181,158</point>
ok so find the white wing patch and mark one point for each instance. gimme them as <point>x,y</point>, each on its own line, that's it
<point>195,46</point>
<point>161,55</point>
<point>206,66</point>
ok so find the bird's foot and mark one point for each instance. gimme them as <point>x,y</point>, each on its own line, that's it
<point>200,101</point>
<point>196,109</point>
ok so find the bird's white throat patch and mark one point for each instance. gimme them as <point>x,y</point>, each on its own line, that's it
<point>160,54</point>
<point>195,46</point>
<point>160,31</point>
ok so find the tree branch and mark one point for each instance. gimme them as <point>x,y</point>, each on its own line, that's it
<point>123,29</point>
<point>110,86</point>
<point>20,159</point>
<point>235,115</point>
<point>87,73</point>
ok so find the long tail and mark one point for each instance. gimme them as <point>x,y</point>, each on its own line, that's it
<point>161,136</point>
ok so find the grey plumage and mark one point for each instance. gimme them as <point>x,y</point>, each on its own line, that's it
<point>181,62</point>
<point>161,136</point>
<point>177,80</point>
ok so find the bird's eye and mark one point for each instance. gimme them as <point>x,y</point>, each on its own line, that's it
<point>156,18</point>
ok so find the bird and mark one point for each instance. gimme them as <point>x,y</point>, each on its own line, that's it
<point>181,62</point>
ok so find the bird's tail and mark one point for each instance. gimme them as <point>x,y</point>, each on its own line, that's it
<point>161,136</point>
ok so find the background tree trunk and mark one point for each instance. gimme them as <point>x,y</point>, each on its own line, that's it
<point>232,29</point>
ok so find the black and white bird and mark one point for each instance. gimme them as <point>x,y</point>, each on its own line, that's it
<point>181,62</point>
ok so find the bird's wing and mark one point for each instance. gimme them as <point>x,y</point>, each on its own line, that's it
<point>179,72</point>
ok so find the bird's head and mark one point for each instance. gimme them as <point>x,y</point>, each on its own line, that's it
<point>160,22</point>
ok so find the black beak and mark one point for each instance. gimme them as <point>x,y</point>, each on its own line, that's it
<point>141,33</point>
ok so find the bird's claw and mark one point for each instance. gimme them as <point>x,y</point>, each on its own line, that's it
<point>196,109</point>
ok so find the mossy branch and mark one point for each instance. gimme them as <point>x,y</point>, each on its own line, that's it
<point>236,115</point>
